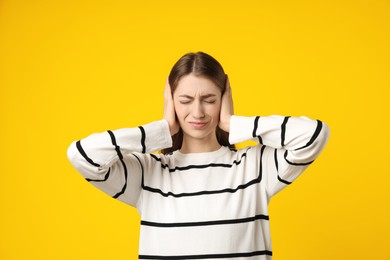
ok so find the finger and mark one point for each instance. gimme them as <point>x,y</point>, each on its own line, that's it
<point>228,95</point>
<point>227,82</point>
<point>166,89</point>
<point>169,104</point>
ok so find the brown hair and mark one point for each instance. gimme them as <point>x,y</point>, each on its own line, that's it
<point>200,64</point>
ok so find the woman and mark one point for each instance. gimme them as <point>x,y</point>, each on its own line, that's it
<point>201,198</point>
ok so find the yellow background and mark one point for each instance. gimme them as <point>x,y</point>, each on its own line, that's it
<point>71,68</point>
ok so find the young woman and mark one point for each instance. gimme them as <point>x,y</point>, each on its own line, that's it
<point>201,198</point>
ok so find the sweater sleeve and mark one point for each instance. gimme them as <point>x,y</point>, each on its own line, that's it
<point>112,160</point>
<point>287,145</point>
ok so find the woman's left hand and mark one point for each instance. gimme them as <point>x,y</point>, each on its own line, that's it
<point>226,107</point>
<point>169,110</point>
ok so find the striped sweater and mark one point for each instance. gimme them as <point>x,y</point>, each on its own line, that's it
<point>211,205</point>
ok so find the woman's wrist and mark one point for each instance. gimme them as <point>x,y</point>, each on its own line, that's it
<point>225,124</point>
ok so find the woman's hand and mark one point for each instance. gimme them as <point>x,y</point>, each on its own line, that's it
<point>226,107</point>
<point>169,110</point>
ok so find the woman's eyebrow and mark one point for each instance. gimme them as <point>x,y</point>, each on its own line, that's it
<point>202,96</point>
<point>208,95</point>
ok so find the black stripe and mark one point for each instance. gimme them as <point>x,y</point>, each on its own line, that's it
<point>255,126</point>
<point>230,190</point>
<point>143,137</point>
<point>117,148</point>
<point>105,177</point>
<point>255,129</point>
<point>284,181</point>
<point>142,169</point>
<point>205,223</point>
<point>261,164</point>
<point>260,140</point>
<point>276,164</point>
<point>113,141</point>
<point>82,152</point>
<point>315,135</point>
<point>285,157</point>
<point>284,129</point>
<point>276,159</point>
<point>208,256</point>
<point>199,166</point>
<point>155,157</point>
<point>125,185</point>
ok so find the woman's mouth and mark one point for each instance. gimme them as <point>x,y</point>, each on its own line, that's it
<point>198,125</point>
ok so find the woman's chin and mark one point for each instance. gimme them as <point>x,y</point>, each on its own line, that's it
<point>198,134</point>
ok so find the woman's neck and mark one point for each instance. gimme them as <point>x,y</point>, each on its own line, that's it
<point>194,145</point>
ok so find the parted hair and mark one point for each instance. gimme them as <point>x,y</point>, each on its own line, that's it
<point>204,65</point>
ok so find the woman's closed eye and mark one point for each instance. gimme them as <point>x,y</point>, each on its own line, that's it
<point>184,101</point>
<point>207,100</point>
<point>189,101</point>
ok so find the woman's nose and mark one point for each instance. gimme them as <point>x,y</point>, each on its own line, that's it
<point>198,111</point>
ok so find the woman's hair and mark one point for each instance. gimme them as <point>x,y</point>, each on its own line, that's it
<point>199,64</point>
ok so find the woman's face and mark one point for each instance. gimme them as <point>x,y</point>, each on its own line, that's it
<point>197,103</point>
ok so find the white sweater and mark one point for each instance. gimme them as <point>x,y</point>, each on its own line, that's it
<point>201,205</point>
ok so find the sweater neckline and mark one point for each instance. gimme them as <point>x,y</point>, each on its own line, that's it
<point>200,156</point>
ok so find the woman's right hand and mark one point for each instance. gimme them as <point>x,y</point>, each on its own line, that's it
<point>169,110</point>
<point>226,107</point>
